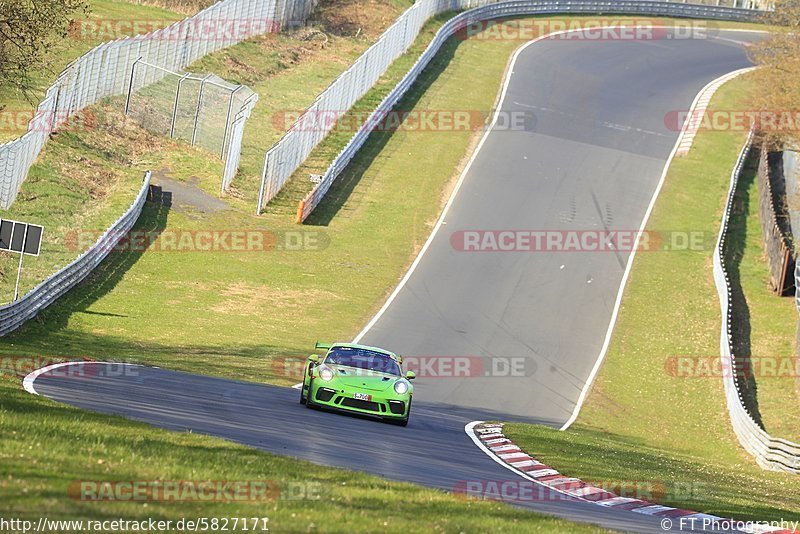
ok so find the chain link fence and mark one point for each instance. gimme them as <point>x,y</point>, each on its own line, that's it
<point>105,70</point>
<point>315,123</point>
<point>206,111</point>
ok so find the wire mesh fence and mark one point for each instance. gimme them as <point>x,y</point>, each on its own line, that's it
<point>313,125</point>
<point>206,110</point>
<point>105,70</point>
<point>286,156</point>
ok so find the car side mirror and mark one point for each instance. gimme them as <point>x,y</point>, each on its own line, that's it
<point>314,358</point>
<point>411,375</point>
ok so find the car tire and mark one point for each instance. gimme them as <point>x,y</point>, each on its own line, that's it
<point>303,400</point>
<point>402,422</point>
<point>309,403</point>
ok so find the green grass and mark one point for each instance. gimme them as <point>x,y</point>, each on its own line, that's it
<point>642,423</point>
<point>44,448</point>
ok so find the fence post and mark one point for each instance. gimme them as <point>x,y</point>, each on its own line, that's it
<point>227,122</point>
<point>197,111</point>
<point>130,85</point>
<point>175,107</point>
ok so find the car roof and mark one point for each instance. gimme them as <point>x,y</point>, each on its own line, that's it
<point>365,347</point>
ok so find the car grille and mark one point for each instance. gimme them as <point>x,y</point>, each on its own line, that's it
<point>361,404</point>
<point>324,394</point>
<point>397,407</point>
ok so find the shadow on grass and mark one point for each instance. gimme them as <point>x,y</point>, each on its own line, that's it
<point>101,281</point>
<point>342,189</point>
<point>735,245</point>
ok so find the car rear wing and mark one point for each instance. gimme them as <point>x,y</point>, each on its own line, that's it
<point>323,346</point>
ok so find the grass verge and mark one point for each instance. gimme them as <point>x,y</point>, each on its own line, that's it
<point>644,423</point>
<point>46,449</point>
<point>237,313</point>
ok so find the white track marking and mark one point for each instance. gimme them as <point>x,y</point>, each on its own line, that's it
<point>27,382</point>
<point>579,494</point>
<point>30,378</point>
<point>469,429</point>
<point>462,176</point>
<point>698,110</point>
<point>607,341</point>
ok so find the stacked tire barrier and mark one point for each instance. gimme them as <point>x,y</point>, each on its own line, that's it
<point>105,70</point>
<point>473,16</point>
<point>770,453</point>
<point>13,315</point>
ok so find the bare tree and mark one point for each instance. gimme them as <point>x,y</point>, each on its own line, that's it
<point>29,29</point>
<point>779,78</point>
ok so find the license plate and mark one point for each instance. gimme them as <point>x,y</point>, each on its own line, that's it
<point>362,396</point>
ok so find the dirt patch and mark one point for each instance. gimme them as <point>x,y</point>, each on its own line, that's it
<point>187,7</point>
<point>247,299</point>
<point>355,18</point>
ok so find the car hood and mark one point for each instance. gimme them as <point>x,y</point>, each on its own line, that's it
<point>358,379</point>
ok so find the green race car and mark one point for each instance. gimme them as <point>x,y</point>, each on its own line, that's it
<point>358,379</point>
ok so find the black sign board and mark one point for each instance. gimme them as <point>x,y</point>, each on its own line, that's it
<point>21,237</point>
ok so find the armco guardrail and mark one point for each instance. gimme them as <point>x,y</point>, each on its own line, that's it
<point>13,315</point>
<point>105,70</point>
<point>498,10</point>
<point>770,453</point>
<point>291,150</point>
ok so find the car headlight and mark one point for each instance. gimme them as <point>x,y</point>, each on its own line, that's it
<point>401,387</point>
<point>325,373</point>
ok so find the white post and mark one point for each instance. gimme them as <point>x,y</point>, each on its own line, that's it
<point>19,267</point>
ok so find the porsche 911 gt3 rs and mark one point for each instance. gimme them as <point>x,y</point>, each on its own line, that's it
<point>360,379</point>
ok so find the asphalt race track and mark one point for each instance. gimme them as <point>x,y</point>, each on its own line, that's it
<point>591,161</point>
<point>433,450</point>
<point>590,158</point>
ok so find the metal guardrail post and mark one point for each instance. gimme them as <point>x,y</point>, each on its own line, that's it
<point>228,121</point>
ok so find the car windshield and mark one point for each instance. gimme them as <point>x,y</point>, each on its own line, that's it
<point>364,359</point>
